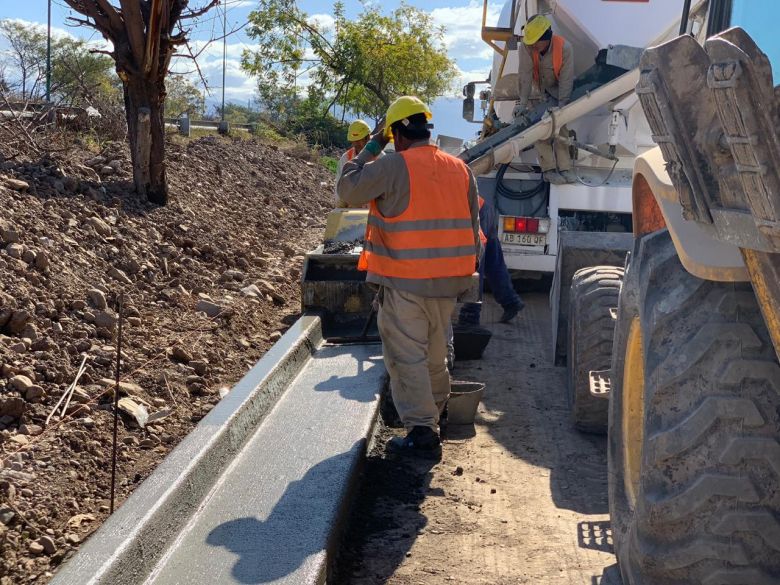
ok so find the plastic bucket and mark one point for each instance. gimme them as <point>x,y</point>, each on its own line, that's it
<point>463,402</point>
<point>470,341</point>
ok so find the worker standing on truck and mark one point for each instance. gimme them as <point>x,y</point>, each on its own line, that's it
<point>547,63</point>
<point>358,135</point>
<point>421,248</point>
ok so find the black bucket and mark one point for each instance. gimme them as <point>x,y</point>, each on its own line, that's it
<point>470,341</point>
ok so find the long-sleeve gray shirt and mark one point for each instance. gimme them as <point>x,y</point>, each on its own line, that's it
<point>558,88</point>
<point>386,179</point>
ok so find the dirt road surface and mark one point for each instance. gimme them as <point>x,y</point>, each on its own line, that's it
<point>523,500</point>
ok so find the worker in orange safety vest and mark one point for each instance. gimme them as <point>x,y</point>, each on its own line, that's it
<point>358,134</point>
<point>546,62</point>
<point>421,250</point>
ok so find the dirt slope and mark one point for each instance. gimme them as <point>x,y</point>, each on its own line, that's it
<point>210,281</point>
<point>522,498</point>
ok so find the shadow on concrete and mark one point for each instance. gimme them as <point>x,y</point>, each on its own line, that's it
<point>296,529</point>
<point>351,387</point>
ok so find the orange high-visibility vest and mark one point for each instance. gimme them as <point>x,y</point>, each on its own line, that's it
<point>351,153</point>
<point>557,58</point>
<point>433,237</point>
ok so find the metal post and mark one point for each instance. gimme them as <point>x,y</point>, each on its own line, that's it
<point>224,55</point>
<point>48,58</point>
<point>685,15</point>
<point>224,127</point>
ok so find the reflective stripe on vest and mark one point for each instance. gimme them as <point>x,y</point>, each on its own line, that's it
<point>433,237</point>
<point>557,59</point>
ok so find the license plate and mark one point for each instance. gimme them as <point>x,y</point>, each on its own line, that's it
<point>525,239</point>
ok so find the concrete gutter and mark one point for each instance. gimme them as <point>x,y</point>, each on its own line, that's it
<point>130,543</point>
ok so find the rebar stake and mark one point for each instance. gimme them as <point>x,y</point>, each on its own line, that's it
<point>120,303</point>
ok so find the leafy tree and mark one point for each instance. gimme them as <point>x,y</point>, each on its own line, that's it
<point>145,35</point>
<point>184,97</point>
<point>26,55</point>
<point>362,64</point>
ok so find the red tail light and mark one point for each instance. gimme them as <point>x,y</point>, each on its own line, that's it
<point>533,225</point>
<point>521,225</point>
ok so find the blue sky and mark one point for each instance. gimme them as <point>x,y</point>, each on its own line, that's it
<point>461,19</point>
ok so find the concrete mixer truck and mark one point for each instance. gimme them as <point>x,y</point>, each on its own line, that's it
<point>678,340</point>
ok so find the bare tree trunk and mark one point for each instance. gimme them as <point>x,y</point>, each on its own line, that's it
<point>144,107</point>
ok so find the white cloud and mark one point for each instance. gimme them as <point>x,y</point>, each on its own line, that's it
<point>463,27</point>
<point>325,21</point>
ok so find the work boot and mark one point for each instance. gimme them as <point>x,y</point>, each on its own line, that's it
<point>420,442</point>
<point>510,312</point>
<point>554,178</point>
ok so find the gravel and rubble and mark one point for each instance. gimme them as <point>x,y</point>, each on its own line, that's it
<point>209,282</point>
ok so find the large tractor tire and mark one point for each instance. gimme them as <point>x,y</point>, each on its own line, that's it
<point>593,305</point>
<point>694,456</point>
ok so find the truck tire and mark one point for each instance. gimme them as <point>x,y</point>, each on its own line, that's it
<point>592,309</point>
<point>694,456</point>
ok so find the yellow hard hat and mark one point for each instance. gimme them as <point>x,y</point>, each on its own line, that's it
<point>358,130</point>
<point>535,28</point>
<point>402,108</point>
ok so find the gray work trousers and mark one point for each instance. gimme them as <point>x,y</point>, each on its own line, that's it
<point>549,150</point>
<point>414,346</point>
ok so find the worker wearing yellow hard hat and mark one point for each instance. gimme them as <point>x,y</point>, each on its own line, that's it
<point>358,135</point>
<point>546,67</point>
<point>422,242</point>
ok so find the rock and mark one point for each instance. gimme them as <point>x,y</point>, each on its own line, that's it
<point>78,305</point>
<point>106,319</point>
<point>117,274</point>
<point>20,440</point>
<point>80,396</point>
<point>16,184</point>
<point>97,298</point>
<point>229,275</point>
<point>34,394</point>
<point>200,366</point>
<point>211,309</point>
<point>181,355</point>
<point>30,429</point>
<point>21,383</point>
<point>106,171</point>
<point>9,235</point>
<point>275,336</point>
<point>137,411</point>
<point>15,250</point>
<point>124,387</point>
<point>289,250</point>
<point>7,515</point>
<point>97,161</point>
<point>271,291</point>
<point>116,165</point>
<point>18,347</point>
<point>251,291</point>
<point>42,260</point>
<point>28,256</point>
<point>72,538</point>
<point>35,548</point>
<point>5,316</point>
<point>13,406</point>
<point>18,321</point>
<point>29,332</point>
<point>48,544</point>
<point>99,226</point>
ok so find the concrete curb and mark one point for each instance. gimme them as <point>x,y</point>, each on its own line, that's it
<point>127,546</point>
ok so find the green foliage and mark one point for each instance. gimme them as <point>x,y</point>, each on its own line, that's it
<point>330,163</point>
<point>182,96</point>
<point>361,64</point>
<point>78,76</point>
